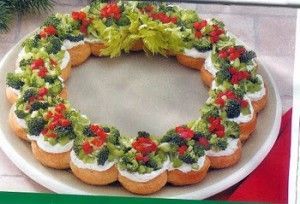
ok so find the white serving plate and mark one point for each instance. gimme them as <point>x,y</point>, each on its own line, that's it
<point>137,92</point>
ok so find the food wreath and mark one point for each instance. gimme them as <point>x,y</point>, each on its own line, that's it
<point>63,138</point>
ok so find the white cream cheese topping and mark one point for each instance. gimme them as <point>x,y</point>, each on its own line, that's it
<point>194,53</point>
<point>231,148</point>
<point>92,40</point>
<point>185,168</point>
<point>92,166</point>
<point>244,118</point>
<point>67,44</point>
<point>20,122</point>
<point>55,149</point>
<point>259,94</point>
<point>209,66</point>
<point>65,60</point>
<point>137,177</point>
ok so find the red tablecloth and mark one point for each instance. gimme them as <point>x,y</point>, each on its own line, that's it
<point>269,181</point>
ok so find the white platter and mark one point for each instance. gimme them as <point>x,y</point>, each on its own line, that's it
<point>137,92</point>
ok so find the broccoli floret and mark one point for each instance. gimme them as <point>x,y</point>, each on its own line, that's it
<point>102,155</point>
<point>35,125</point>
<point>129,163</point>
<point>54,45</point>
<point>209,110</point>
<point>88,132</point>
<point>52,20</point>
<point>154,162</point>
<point>166,8</point>
<point>232,129</point>
<point>203,45</point>
<point>198,135</point>
<point>32,42</point>
<point>109,22</point>
<point>106,129</point>
<point>198,149</point>
<point>20,114</point>
<point>222,144</point>
<point>73,38</point>
<point>50,78</point>
<point>38,105</point>
<point>141,5</point>
<point>233,109</point>
<point>217,22</point>
<point>123,21</point>
<point>247,56</point>
<point>76,148</point>
<point>173,138</point>
<point>114,136</point>
<point>143,134</point>
<point>29,93</point>
<point>13,80</point>
<point>222,75</point>
<point>188,158</point>
<point>25,62</point>
<point>254,80</point>
<point>65,131</point>
<point>239,92</point>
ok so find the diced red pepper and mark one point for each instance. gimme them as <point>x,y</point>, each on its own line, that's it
<point>64,122</point>
<point>87,147</point>
<point>36,64</point>
<point>97,142</point>
<point>181,150</point>
<point>43,91</point>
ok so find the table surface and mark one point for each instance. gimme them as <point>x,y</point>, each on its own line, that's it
<point>270,31</point>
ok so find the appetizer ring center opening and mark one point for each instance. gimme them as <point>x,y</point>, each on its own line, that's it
<point>146,99</point>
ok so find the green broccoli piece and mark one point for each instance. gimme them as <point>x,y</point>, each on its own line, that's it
<point>129,162</point>
<point>188,158</point>
<point>143,134</point>
<point>35,125</point>
<point>232,109</point>
<point>166,8</point>
<point>73,38</point>
<point>54,45</point>
<point>50,78</point>
<point>52,20</point>
<point>76,148</point>
<point>239,92</point>
<point>247,56</point>
<point>202,45</point>
<point>88,132</point>
<point>21,114</point>
<point>65,131</point>
<point>29,93</point>
<point>223,75</point>
<point>114,136</point>
<point>13,80</point>
<point>123,21</point>
<point>154,162</point>
<point>107,129</point>
<point>222,144</point>
<point>38,105</point>
<point>32,42</point>
<point>232,129</point>
<point>198,149</point>
<point>173,138</point>
<point>218,22</point>
<point>102,155</point>
<point>209,110</point>
<point>109,22</point>
<point>25,62</point>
